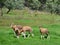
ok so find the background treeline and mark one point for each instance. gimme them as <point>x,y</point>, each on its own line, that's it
<point>52,6</point>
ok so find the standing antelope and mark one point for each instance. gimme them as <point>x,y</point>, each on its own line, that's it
<point>16,29</point>
<point>26,29</point>
<point>44,32</point>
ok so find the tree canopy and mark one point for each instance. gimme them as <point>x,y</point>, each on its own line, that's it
<point>53,6</point>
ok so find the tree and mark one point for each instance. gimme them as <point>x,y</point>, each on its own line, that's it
<point>27,3</point>
<point>14,4</point>
<point>32,4</point>
<point>43,3</point>
<point>1,6</point>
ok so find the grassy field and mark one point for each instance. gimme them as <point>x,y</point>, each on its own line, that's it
<point>26,17</point>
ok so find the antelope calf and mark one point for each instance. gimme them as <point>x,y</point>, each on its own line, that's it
<point>44,32</point>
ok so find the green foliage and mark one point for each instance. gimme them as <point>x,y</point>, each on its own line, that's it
<point>35,4</point>
<point>15,4</point>
<point>2,3</point>
<point>53,6</point>
<point>2,0</point>
<point>57,11</point>
<point>1,6</point>
<point>43,1</point>
<point>44,5</point>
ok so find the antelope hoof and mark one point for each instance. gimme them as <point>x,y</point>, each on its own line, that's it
<point>17,36</point>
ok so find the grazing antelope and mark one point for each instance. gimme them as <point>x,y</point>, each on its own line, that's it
<point>16,29</point>
<point>26,29</point>
<point>44,32</point>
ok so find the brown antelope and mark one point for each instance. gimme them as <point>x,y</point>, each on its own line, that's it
<point>16,29</point>
<point>44,32</point>
<point>26,29</point>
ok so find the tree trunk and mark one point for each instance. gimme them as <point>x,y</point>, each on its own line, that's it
<point>8,11</point>
<point>1,12</point>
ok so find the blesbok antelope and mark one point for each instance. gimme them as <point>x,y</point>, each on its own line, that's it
<point>26,29</point>
<point>16,29</point>
<point>44,32</point>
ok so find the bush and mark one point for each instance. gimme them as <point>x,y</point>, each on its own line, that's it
<point>15,4</point>
<point>35,5</point>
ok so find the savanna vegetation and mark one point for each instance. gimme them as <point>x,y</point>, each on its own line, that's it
<point>24,17</point>
<point>31,13</point>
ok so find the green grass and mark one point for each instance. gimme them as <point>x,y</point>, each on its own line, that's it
<point>24,17</point>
